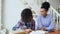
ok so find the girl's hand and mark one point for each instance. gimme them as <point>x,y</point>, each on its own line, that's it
<point>28,31</point>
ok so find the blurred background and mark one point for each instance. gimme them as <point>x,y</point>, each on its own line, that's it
<point>10,12</point>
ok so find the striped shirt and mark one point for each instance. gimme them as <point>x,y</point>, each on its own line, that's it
<point>29,25</point>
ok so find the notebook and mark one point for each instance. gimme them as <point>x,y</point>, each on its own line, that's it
<point>39,32</point>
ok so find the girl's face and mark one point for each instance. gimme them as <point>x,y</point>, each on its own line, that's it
<point>43,12</point>
<point>27,20</point>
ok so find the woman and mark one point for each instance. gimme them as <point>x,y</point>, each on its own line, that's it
<point>26,21</point>
<point>44,20</point>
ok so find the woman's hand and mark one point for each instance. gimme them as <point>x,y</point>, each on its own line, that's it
<point>27,31</point>
<point>44,29</point>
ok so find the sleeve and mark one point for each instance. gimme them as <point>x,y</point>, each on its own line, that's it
<point>52,24</point>
<point>34,24</point>
<point>17,26</point>
<point>39,25</point>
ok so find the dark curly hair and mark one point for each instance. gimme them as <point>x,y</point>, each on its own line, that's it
<point>26,15</point>
<point>45,5</point>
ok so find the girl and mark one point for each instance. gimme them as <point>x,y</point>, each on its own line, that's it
<point>26,21</point>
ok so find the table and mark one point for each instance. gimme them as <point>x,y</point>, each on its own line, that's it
<point>55,32</point>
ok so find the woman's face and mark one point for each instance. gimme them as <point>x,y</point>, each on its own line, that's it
<point>43,12</point>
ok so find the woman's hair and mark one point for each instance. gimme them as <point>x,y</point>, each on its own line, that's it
<point>26,15</point>
<point>45,5</point>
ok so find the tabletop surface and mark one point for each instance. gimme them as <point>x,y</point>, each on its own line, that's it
<point>54,32</point>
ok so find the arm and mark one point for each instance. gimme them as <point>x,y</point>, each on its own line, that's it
<point>33,25</point>
<point>39,25</point>
<point>51,26</point>
<point>17,26</point>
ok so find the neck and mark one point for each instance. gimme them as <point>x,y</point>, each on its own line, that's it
<point>45,15</point>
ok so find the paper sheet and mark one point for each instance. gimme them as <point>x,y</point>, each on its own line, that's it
<point>39,32</point>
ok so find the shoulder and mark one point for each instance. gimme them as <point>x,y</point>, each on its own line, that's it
<point>49,15</point>
<point>39,16</point>
<point>20,22</point>
<point>33,21</point>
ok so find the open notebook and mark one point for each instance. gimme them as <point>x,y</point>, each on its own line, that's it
<point>39,32</point>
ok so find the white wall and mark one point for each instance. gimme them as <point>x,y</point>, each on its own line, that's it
<point>0,14</point>
<point>11,10</point>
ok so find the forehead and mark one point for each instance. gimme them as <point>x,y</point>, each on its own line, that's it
<point>42,9</point>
